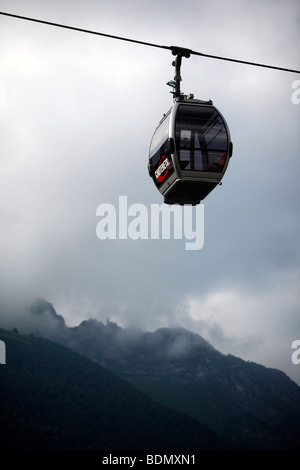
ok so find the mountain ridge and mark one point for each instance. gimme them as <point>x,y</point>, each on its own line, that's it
<point>257,406</point>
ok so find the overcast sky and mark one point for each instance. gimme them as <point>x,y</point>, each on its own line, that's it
<point>77,116</point>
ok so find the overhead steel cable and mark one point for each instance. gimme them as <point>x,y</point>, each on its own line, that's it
<point>81,30</point>
<point>174,49</point>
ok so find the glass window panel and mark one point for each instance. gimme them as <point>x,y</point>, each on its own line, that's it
<point>216,161</point>
<point>216,135</point>
<point>201,138</point>
<point>161,135</point>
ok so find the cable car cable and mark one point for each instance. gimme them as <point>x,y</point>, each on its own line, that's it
<point>81,30</point>
<point>185,52</point>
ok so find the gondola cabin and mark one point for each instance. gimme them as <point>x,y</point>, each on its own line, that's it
<point>189,151</point>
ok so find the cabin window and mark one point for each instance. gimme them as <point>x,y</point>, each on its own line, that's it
<point>201,138</point>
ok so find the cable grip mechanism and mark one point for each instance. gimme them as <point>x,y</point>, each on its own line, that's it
<point>179,52</point>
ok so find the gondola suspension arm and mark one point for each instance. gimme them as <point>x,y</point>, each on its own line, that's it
<point>179,52</point>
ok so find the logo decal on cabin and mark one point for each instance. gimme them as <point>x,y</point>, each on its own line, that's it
<point>162,169</point>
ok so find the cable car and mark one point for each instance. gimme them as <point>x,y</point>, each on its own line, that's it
<point>190,150</point>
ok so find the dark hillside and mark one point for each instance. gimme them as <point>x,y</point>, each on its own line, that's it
<point>53,398</point>
<point>248,405</point>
